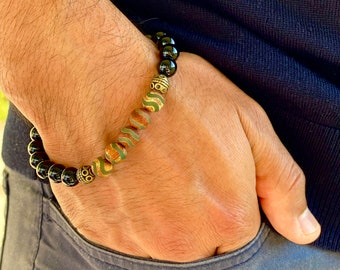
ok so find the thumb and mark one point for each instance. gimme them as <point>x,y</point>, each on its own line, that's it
<point>280,182</point>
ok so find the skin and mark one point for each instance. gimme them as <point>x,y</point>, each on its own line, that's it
<point>193,185</point>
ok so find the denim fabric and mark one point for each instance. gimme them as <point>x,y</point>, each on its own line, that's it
<point>38,236</point>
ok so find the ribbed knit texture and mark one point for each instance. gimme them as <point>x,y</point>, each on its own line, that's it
<point>285,54</point>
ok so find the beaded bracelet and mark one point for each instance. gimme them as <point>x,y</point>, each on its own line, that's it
<point>115,152</point>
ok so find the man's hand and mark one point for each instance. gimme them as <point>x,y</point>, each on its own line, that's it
<point>190,187</point>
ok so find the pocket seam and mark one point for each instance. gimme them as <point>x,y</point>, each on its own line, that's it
<point>248,251</point>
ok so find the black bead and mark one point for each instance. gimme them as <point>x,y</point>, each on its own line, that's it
<point>36,158</point>
<point>167,67</point>
<point>169,52</point>
<point>54,173</point>
<point>156,37</point>
<point>34,135</point>
<point>35,146</point>
<point>165,41</point>
<point>69,177</point>
<point>42,169</point>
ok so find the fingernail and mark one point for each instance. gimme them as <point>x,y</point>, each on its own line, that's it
<point>308,222</point>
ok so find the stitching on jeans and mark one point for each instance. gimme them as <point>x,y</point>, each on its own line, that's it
<point>167,264</point>
<point>5,186</point>
<point>257,251</point>
<point>40,212</point>
<point>81,248</point>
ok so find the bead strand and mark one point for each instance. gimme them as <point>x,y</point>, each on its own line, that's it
<point>115,152</point>
<point>46,169</point>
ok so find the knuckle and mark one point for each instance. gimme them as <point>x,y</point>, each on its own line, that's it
<point>173,246</point>
<point>255,122</point>
<point>293,179</point>
<point>241,220</point>
<point>288,178</point>
<point>255,110</point>
<point>238,230</point>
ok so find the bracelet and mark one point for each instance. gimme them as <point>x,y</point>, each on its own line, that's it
<point>153,101</point>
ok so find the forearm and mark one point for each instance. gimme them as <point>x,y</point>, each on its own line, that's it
<point>72,63</point>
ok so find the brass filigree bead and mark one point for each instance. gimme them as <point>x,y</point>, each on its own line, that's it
<point>85,175</point>
<point>101,167</point>
<point>160,83</point>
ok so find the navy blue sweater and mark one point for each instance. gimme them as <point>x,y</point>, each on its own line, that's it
<point>285,54</point>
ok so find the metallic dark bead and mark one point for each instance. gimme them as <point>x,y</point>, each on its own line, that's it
<point>156,37</point>
<point>35,146</point>
<point>169,52</point>
<point>54,173</point>
<point>36,158</point>
<point>165,41</point>
<point>69,177</point>
<point>167,67</point>
<point>42,169</point>
<point>34,135</point>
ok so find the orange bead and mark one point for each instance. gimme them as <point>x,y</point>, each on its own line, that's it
<point>101,167</point>
<point>115,153</point>
<point>128,137</point>
<point>140,119</point>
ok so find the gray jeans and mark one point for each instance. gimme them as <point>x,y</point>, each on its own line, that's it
<point>38,236</point>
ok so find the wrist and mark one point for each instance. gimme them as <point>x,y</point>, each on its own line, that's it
<point>98,110</point>
<point>114,152</point>
<point>80,79</point>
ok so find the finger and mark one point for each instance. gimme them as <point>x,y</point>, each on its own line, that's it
<point>281,189</point>
<point>280,182</point>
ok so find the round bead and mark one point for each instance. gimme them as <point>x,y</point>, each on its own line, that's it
<point>36,158</point>
<point>167,67</point>
<point>153,101</point>
<point>101,167</point>
<point>69,177</point>
<point>160,83</point>
<point>169,52</point>
<point>42,169</point>
<point>164,41</point>
<point>115,153</point>
<point>128,137</point>
<point>139,119</point>
<point>34,135</point>
<point>85,175</point>
<point>35,146</point>
<point>54,173</point>
<point>156,37</point>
